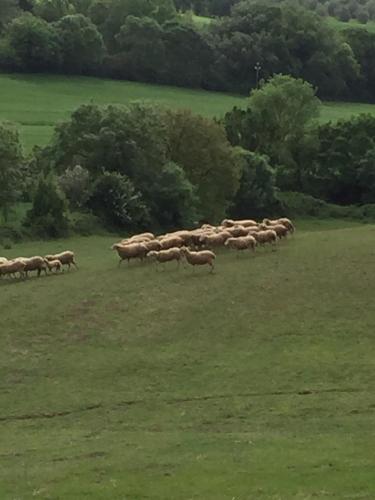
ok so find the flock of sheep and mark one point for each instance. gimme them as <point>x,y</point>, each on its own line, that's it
<point>21,266</point>
<point>197,245</point>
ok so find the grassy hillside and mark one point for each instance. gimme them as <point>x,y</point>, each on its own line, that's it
<point>254,382</point>
<point>36,103</point>
<point>339,25</point>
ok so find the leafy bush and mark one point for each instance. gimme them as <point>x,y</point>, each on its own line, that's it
<point>85,224</point>
<point>47,217</point>
<point>75,184</point>
<point>116,201</point>
<point>257,194</point>
<point>301,205</point>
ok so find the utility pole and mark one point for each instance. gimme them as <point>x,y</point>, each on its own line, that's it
<point>257,68</point>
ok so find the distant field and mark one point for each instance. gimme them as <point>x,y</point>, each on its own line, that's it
<point>335,23</point>
<point>36,102</point>
<point>252,383</point>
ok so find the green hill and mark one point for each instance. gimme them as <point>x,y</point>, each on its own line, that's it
<point>353,23</point>
<point>253,382</point>
<point>37,102</point>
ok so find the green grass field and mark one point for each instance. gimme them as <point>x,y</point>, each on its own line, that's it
<point>36,102</point>
<point>339,25</point>
<point>255,382</point>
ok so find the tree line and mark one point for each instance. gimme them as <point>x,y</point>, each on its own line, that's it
<point>139,166</point>
<point>150,41</point>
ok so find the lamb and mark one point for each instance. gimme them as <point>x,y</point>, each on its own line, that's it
<point>53,265</point>
<point>199,258</point>
<point>11,267</point>
<point>173,253</point>
<point>214,239</point>
<point>170,242</point>
<point>36,263</point>
<point>268,236</point>
<point>133,251</point>
<point>244,222</point>
<point>66,258</point>
<point>243,243</point>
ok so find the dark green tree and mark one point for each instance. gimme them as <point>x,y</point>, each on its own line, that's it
<point>47,217</point>
<point>257,193</point>
<point>11,160</point>
<point>116,201</point>
<point>82,45</point>
<point>34,43</point>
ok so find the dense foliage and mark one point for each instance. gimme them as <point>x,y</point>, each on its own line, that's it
<point>152,41</point>
<point>143,166</point>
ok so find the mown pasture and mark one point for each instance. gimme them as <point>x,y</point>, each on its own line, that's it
<point>254,382</point>
<point>35,103</point>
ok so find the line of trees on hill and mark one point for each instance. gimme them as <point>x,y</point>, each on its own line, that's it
<point>149,41</point>
<point>141,166</point>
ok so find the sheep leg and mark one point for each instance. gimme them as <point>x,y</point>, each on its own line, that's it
<point>74,263</point>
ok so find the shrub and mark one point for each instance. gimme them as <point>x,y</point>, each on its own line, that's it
<point>47,217</point>
<point>116,201</point>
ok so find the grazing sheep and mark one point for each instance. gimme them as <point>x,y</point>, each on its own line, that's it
<point>268,236</point>
<point>214,239</point>
<point>170,242</point>
<point>204,257</point>
<point>66,258</point>
<point>133,251</point>
<point>242,243</point>
<point>173,253</point>
<point>11,267</point>
<point>36,263</point>
<point>53,265</point>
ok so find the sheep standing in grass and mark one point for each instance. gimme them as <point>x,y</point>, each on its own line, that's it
<point>264,237</point>
<point>170,242</point>
<point>152,245</point>
<point>281,230</point>
<point>131,251</point>
<point>237,231</point>
<point>138,238</point>
<point>204,257</point>
<point>66,258</point>
<point>36,263</point>
<point>211,240</point>
<point>11,267</point>
<point>163,256</point>
<point>244,222</point>
<point>242,243</point>
<point>283,221</point>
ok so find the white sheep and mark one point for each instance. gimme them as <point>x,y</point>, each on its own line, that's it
<point>66,258</point>
<point>242,243</point>
<point>163,256</point>
<point>133,251</point>
<point>204,257</point>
